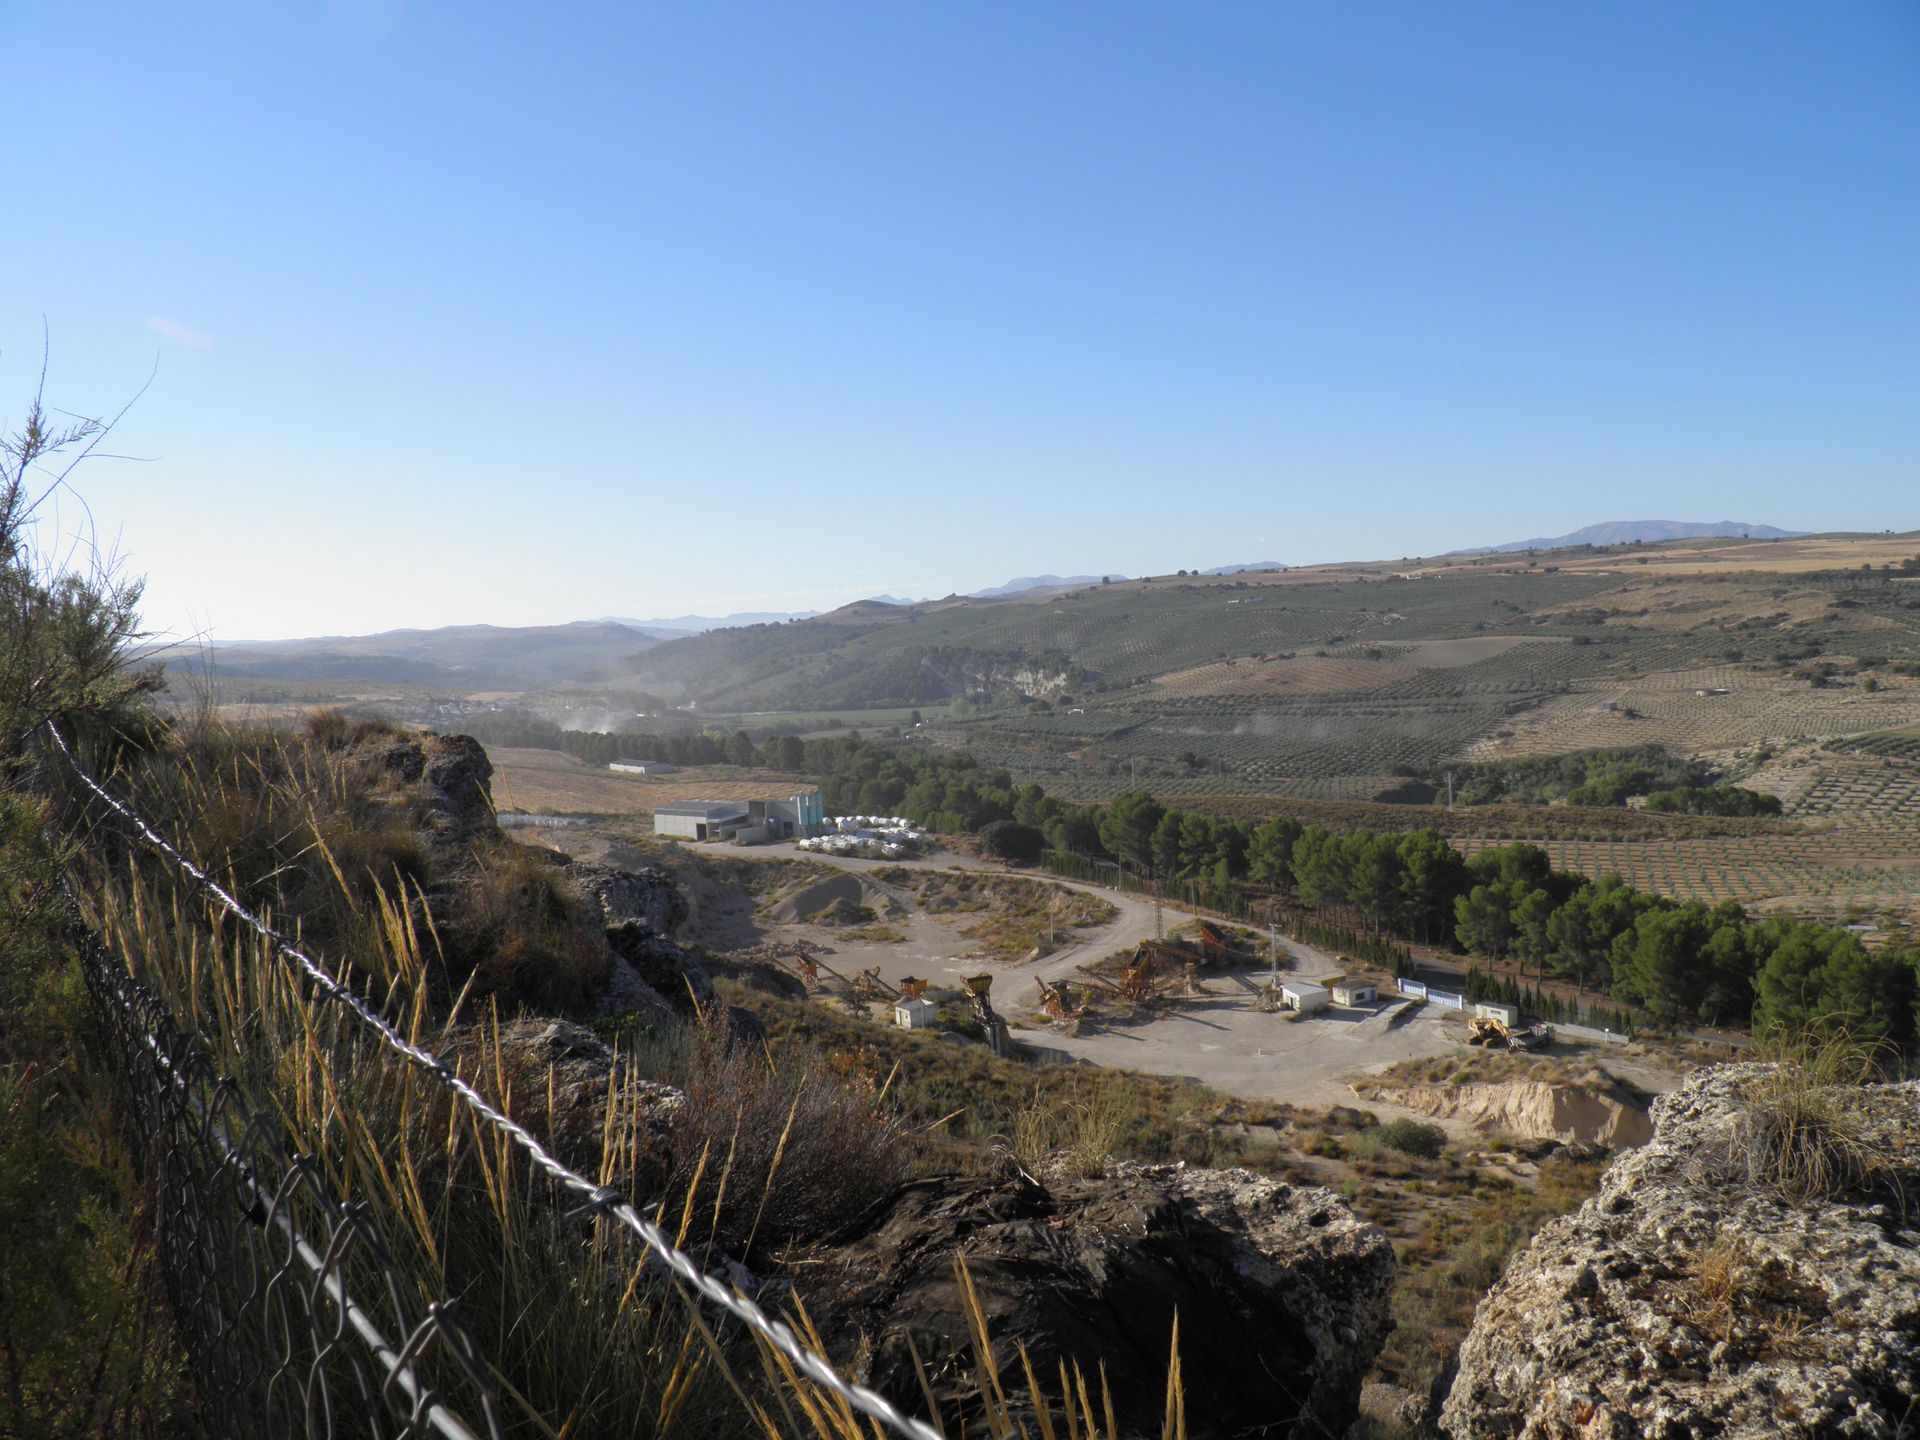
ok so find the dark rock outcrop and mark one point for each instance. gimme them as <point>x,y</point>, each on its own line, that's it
<point>558,1076</point>
<point>459,782</point>
<point>646,899</point>
<point>1691,1297</point>
<point>1281,1294</point>
<point>453,778</point>
<point>662,966</point>
<point>649,972</point>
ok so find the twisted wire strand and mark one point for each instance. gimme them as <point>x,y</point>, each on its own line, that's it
<point>599,1199</point>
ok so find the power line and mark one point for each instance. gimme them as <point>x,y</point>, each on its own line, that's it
<point>600,1199</point>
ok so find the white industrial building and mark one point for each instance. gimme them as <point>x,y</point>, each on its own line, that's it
<point>745,822</point>
<point>642,767</point>
<point>1304,996</point>
<point>700,819</point>
<point>1355,992</point>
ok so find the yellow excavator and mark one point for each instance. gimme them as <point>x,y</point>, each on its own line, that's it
<point>1485,1030</point>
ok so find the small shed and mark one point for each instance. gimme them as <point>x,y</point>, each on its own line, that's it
<point>1304,996</point>
<point>914,1013</point>
<point>1507,1015</point>
<point>1355,992</point>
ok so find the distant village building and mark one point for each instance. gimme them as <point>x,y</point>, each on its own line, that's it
<point>744,822</point>
<point>642,767</point>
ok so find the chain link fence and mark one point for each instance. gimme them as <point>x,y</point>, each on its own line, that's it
<point>292,1310</point>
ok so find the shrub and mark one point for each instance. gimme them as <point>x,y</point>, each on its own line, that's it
<point>780,1148</point>
<point>1409,1137</point>
<point>1011,841</point>
<point>524,935</point>
<point>1079,1135</point>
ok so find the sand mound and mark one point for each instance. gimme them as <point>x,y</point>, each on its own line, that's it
<point>840,894</point>
<point>1533,1109</point>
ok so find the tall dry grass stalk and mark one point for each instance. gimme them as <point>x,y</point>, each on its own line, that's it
<point>1078,1136</point>
<point>583,1336</point>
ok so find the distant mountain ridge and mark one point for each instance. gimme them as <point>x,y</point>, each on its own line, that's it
<point>472,657</point>
<point>675,625</point>
<point>1628,532</point>
<point>1040,582</point>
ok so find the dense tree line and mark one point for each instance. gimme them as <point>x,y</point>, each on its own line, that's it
<point>1609,777</point>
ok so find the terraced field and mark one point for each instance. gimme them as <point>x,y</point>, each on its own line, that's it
<point>1696,711</point>
<point>1824,874</point>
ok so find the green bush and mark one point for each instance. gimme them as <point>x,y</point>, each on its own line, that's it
<point>1409,1137</point>
<point>1010,840</point>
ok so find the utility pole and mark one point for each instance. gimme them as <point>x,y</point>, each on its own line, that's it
<point>1273,951</point>
<point>1449,790</point>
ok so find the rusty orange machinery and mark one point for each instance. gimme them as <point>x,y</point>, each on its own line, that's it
<point>867,984</point>
<point>1156,965</point>
<point>1214,945</point>
<point>1057,1006</point>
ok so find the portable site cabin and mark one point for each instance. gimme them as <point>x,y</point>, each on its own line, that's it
<point>913,1013</point>
<point>1304,996</point>
<point>1507,1015</point>
<point>1355,992</point>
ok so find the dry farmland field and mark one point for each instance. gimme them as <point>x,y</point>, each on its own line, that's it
<point>1699,710</point>
<point>549,782</point>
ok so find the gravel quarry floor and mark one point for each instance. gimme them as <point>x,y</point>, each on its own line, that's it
<point>1219,1038</point>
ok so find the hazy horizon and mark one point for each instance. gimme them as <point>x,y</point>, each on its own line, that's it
<point>472,317</point>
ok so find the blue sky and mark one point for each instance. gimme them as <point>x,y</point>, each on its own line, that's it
<point>527,314</point>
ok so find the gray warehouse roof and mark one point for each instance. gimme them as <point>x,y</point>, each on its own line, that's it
<point>704,809</point>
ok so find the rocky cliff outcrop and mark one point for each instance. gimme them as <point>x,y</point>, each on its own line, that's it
<point>1281,1295</point>
<point>649,971</point>
<point>1695,1295</point>
<point>646,897</point>
<point>453,778</point>
<point>556,1078</point>
<point>445,783</point>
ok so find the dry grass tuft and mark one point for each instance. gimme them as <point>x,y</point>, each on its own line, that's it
<point>1077,1136</point>
<point>1807,1129</point>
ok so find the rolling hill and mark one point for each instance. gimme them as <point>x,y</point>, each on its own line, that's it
<point>1633,532</point>
<point>1102,640</point>
<point>468,657</point>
